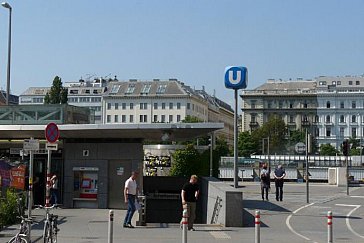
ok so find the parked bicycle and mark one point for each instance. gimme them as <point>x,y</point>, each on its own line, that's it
<point>50,229</point>
<point>22,235</point>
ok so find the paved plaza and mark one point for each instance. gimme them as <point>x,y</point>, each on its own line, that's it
<point>292,220</point>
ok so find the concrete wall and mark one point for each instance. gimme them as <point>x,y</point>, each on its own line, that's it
<point>100,155</point>
<point>229,209</point>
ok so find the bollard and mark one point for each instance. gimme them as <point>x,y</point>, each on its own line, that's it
<point>329,227</point>
<point>257,226</point>
<point>111,226</point>
<point>184,224</point>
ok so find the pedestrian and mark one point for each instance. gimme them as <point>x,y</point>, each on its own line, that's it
<point>265,181</point>
<point>54,189</point>
<point>279,174</point>
<point>189,195</point>
<point>130,193</point>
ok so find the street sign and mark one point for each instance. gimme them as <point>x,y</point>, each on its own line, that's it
<point>236,77</point>
<point>31,144</point>
<point>300,148</point>
<point>52,146</point>
<point>52,132</point>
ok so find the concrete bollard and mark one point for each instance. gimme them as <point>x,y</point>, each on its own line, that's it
<point>111,226</point>
<point>329,227</point>
<point>257,226</point>
<point>184,224</point>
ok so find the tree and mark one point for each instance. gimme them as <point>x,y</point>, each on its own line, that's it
<point>276,130</point>
<point>57,94</point>
<point>191,119</point>
<point>186,162</point>
<point>297,136</point>
<point>246,144</point>
<point>328,150</point>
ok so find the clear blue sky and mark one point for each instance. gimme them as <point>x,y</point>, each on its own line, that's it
<point>192,40</point>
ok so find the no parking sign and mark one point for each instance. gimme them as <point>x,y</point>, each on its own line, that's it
<point>52,132</point>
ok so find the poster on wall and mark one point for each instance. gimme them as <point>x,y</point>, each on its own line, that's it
<point>120,171</point>
<point>17,177</point>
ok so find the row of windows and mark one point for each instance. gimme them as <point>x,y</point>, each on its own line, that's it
<point>145,89</point>
<point>84,99</point>
<point>354,132</point>
<point>342,104</point>
<point>142,118</point>
<point>144,106</point>
<point>357,82</point>
<point>87,91</point>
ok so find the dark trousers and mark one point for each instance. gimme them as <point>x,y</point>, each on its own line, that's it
<point>265,189</point>
<point>131,209</point>
<point>279,189</point>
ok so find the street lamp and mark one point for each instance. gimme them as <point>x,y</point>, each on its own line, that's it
<point>7,5</point>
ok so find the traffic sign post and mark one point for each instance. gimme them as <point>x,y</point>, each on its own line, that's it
<point>52,135</point>
<point>236,78</point>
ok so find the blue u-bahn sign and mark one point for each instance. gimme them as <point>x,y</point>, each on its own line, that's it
<point>236,77</point>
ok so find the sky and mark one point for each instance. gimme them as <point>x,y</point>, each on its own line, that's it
<point>191,40</point>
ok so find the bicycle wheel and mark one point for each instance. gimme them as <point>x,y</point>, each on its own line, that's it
<point>54,231</point>
<point>47,233</point>
<point>18,239</point>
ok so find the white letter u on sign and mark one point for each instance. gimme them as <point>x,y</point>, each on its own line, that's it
<point>237,78</point>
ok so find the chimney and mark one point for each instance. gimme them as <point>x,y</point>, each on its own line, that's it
<point>203,87</point>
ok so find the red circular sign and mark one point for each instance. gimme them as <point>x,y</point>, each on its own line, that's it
<point>52,132</point>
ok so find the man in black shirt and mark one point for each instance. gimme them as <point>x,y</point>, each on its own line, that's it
<point>279,175</point>
<point>189,197</point>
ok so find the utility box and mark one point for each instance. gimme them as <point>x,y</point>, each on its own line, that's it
<point>332,174</point>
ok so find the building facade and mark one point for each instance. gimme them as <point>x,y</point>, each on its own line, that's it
<point>332,108</point>
<point>160,101</point>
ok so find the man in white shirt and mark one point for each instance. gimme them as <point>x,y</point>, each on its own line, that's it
<point>130,193</point>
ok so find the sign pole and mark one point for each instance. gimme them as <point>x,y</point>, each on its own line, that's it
<point>30,191</point>
<point>307,172</point>
<point>48,186</point>
<point>236,139</point>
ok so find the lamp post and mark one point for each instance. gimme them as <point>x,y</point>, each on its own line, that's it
<point>7,5</point>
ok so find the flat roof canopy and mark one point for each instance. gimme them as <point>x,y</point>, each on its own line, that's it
<point>154,131</point>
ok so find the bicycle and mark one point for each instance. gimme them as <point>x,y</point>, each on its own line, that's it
<point>22,235</point>
<point>50,229</point>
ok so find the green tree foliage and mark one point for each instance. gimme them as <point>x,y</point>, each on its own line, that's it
<point>186,162</point>
<point>57,94</point>
<point>276,130</point>
<point>328,150</point>
<point>8,208</point>
<point>191,119</point>
<point>297,136</point>
<point>246,144</point>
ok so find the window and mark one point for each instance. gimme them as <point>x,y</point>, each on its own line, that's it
<point>116,118</point>
<point>188,106</point>
<point>170,118</point>
<point>123,106</point>
<point>155,118</point>
<point>108,119</point>
<point>328,119</point>
<point>87,91</point>
<point>305,118</point>
<point>109,106</point>
<point>146,89</point>
<point>280,104</point>
<point>269,105</point>
<point>131,106</point>
<point>316,119</point>
<point>342,132</point>
<point>253,104</point>
<point>143,106</point>
<point>350,82</point>
<point>353,104</point>
<point>161,89</point>
<point>143,118</point>
<point>342,106</point>
<point>328,105</point>
<point>155,106</point>
<point>338,82</point>
<point>115,89</point>
<point>328,131</point>
<point>130,89</point>
<point>253,118</point>
<point>163,118</point>
<point>178,106</point>
<point>353,132</point>
<point>305,105</point>
<point>178,118</point>
<point>333,82</point>
<point>131,118</point>
<point>353,118</point>
<point>291,105</point>
<point>163,106</point>
<point>342,119</point>
<point>116,106</point>
<point>291,119</point>
<point>357,82</point>
<point>73,91</point>
<point>123,118</point>
<point>171,106</point>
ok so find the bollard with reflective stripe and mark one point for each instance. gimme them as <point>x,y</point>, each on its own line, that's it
<point>111,226</point>
<point>257,226</point>
<point>329,227</point>
<point>184,224</point>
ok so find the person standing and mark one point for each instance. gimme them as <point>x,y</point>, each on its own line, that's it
<point>265,181</point>
<point>130,193</point>
<point>279,174</point>
<point>189,195</point>
<point>54,189</point>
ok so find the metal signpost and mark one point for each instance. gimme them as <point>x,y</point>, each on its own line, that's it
<point>30,145</point>
<point>236,77</point>
<point>52,135</point>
